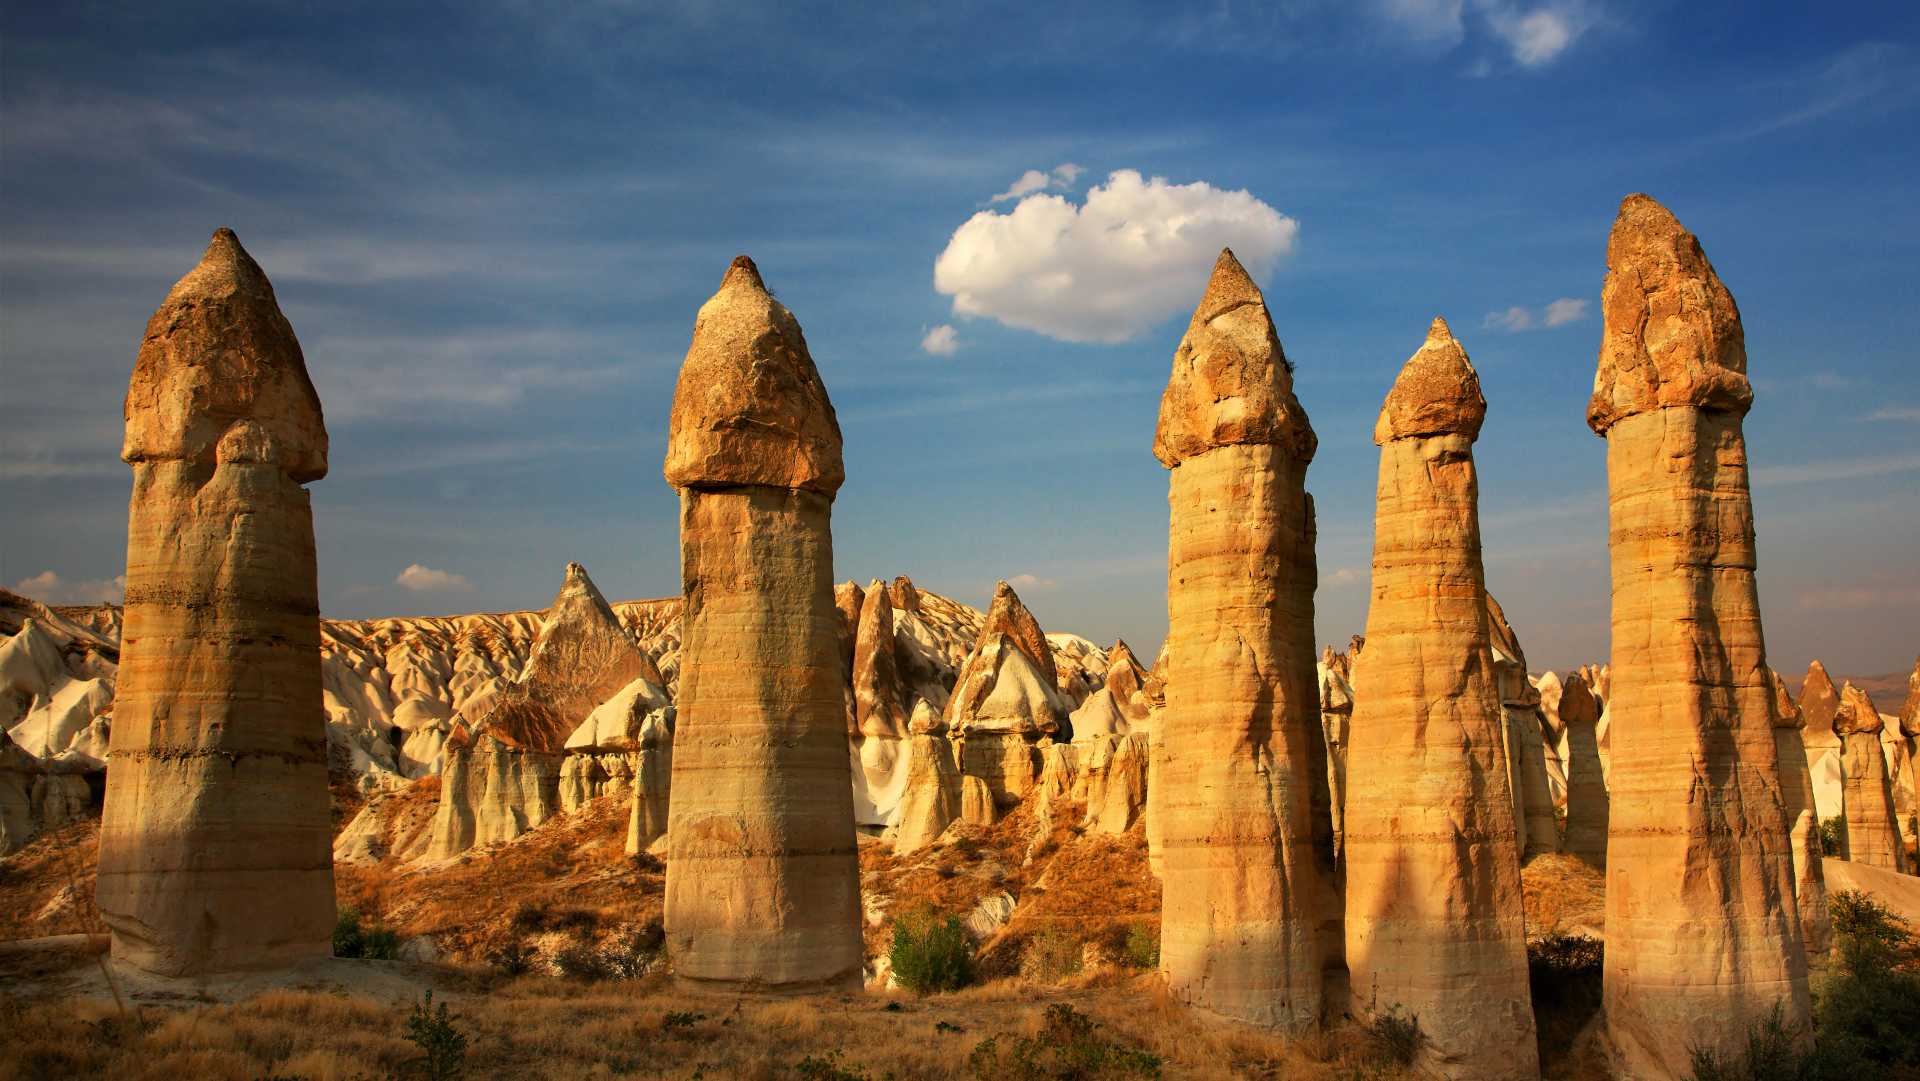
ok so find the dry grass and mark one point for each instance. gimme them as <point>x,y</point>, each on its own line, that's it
<point>549,1029</point>
<point>1563,894</point>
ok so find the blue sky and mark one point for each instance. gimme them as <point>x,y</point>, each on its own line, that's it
<point>491,226</point>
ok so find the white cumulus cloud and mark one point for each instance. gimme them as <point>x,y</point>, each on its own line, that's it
<point>423,579</point>
<point>1062,176</point>
<point>941,341</point>
<point>1557,313</point>
<point>1030,582</point>
<point>49,588</point>
<point>1135,252</point>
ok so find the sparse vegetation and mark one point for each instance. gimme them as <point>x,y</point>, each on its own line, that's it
<point>581,961</point>
<point>443,1047</point>
<point>1833,837</point>
<point>930,953</point>
<point>828,1067</point>
<point>1069,1045</point>
<point>1143,947</point>
<point>1052,956</point>
<point>1395,1036</point>
<point>371,942</point>
<point>512,957</point>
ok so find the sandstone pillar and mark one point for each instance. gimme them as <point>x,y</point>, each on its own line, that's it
<point>1241,884</point>
<point>1703,937</point>
<point>763,884</point>
<point>1873,837</point>
<point>1796,792</point>
<point>215,842</point>
<point>1434,923</point>
<point>1587,806</point>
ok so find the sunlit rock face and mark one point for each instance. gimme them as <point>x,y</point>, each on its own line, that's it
<point>762,880</point>
<point>1796,792</point>
<point>1703,933</point>
<point>217,780</point>
<point>1873,837</point>
<point>1006,698</point>
<point>1434,924</point>
<point>1240,755</point>
<point>1587,805</point>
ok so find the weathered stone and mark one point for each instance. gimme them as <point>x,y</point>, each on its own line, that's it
<point>652,783</point>
<point>1796,792</point>
<point>1523,737</point>
<point>1434,923</point>
<point>1116,783</point>
<point>217,790</point>
<point>1336,716</point>
<point>1873,837</point>
<point>1239,747</point>
<point>931,800</point>
<point>1005,698</point>
<point>1819,703</point>
<point>977,807</point>
<point>1703,932</point>
<point>763,883</point>
<point>1587,806</point>
<point>880,705</point>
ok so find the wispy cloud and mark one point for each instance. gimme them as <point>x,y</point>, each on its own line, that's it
<point>1432,23</point>
<point>1557,313</point>
<point>1862,75</point>
<point>49,588</point>
<point>1034,180</point>
<point>1907,413</point>
<point>419,578</point>
<point>1031,582</point>
<point>1341,577</point>
<point>1537,36</point>
<point>1844,469</point>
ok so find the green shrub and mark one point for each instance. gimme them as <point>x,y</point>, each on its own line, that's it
<point>930,953</point>
<point>512,958</point>
<point>1069,1046</point>
<point>373,943</point>
<point>1833,837</point>
<point>442,1045</point>
<point>581,961</point>
<point>632,952</point>
<point>1143,947</point>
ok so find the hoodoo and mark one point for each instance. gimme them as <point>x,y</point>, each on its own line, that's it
<point>763,884</point>
<point>1587,806</point>
<point>1434,924</point>
<point>1239,744</point>
<point>215,842</point>
<point>1703,936</point>
<point>1803,826</point>
<point>1873,836</point>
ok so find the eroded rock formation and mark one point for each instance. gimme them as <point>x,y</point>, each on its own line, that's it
<point>1703,934</point>
<point>1796,792</point>
<point>1873,837</point>
<point>1587,806</point>
<point>1005,698</point>
<point>217,784</point>
<point>1240,742</point>
<point>1434,924</point>
<point>1524,737</point>
<point>763,884</point>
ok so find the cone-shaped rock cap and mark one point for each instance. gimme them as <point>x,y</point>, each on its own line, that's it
<point>218,351</point>
<point>1437,393</point>
<point>1785,713</point>
<point>1671,333</point>
<point>1857,714</point>
<point>750,407</point>
<point>1231,381</point>
<point>1910,711</point>
<point>1009,616</point>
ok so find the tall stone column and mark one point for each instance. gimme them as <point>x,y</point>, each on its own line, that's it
<point>216,839</point>
<point>1873,836</point>
<point>1703,938</point>
<point>763,884</point>
<point>1241,882</point>
<point>1796,791</point>
<point>1587,805</point>
<point>1434,922</point>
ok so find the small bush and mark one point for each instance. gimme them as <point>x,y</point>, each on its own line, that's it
<point>647,863</point>
<point>512,958</point>
<point>1069,1046</point>
<point>530,918</point>
<point>633,951</point>
<point>1395,1038</point>
<point>828,1067</point>
<point>681,1019</point>
<point>1833,837</point>
<point>581,961</point>
<point>930,953</point>
<point>1143,947</point>
<point>1052,957</point>
<point>442,1045</point>
<point>578,922</point>
<point>373,943</point>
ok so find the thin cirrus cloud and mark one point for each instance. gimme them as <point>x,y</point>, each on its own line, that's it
<point>1910,414</point>
<point>423,579</point>
<point>941,341</point>
<point>1557,313</point>
<point>1110,268</point>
